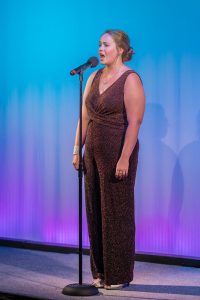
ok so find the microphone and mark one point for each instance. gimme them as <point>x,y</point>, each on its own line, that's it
<point>92,62</point>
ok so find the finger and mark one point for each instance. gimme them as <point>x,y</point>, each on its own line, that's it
<point>119,174</point>
<point>124,173</point>
<point>75,165</point>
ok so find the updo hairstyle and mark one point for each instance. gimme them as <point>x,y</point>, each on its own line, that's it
<point>122,41</point>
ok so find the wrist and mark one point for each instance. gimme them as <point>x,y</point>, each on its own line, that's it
<point>76,150</point>
<point>124,157</point>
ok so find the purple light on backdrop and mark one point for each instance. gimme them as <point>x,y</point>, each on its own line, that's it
<point>39,112</point>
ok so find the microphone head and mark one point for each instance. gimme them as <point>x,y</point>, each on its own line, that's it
<point>93,61</point>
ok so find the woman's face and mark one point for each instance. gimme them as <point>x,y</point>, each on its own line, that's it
<point>108,51</point>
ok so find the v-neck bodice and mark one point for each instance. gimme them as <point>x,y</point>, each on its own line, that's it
<point>111,83</point>
<point>108,108</point>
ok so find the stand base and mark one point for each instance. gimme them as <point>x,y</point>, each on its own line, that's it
<point>76,289</point>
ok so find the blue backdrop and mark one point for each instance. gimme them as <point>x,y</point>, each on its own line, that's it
<point>40,42</point>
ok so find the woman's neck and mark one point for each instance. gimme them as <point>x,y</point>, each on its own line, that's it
<point>113,67</point>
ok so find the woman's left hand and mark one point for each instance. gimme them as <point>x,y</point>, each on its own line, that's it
<point>122,168</point>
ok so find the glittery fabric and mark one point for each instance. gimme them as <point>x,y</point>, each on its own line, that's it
<point>109,201</point>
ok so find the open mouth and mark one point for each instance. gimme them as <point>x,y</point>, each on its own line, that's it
<point>102,56</point>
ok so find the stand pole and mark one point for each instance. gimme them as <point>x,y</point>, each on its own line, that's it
<point>80,175</point>
<point>80,289</point>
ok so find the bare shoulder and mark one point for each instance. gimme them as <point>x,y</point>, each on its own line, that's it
<point>133,79</point>
<point>89,83</point>
<point>91,77</point>
<point>133,88</point>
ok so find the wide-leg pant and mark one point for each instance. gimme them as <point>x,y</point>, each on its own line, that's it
<point>109,204</point>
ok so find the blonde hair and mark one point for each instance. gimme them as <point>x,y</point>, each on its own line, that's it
<point>122,41</point>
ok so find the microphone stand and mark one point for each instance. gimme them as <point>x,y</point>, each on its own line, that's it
<point>80,289</point>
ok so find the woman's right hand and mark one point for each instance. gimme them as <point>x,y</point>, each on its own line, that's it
<point>75,161</point>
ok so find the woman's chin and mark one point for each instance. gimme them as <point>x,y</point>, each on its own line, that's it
<point>102,61</point>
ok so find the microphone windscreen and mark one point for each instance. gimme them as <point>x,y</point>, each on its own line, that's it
<point>93,61</point>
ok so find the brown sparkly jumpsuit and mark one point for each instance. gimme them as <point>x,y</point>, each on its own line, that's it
<point>109,201</point>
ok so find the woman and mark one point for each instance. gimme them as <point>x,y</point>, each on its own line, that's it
<point>113,108</point>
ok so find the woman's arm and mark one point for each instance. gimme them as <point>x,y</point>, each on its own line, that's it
<point>134,100</point>
<point>85,118</point>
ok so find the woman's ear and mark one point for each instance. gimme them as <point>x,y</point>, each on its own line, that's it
<point>120,50</point>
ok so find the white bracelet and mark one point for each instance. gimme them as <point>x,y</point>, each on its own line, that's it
<point>76,150</point>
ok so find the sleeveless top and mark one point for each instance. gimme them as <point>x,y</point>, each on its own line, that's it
<point>108,108</point>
